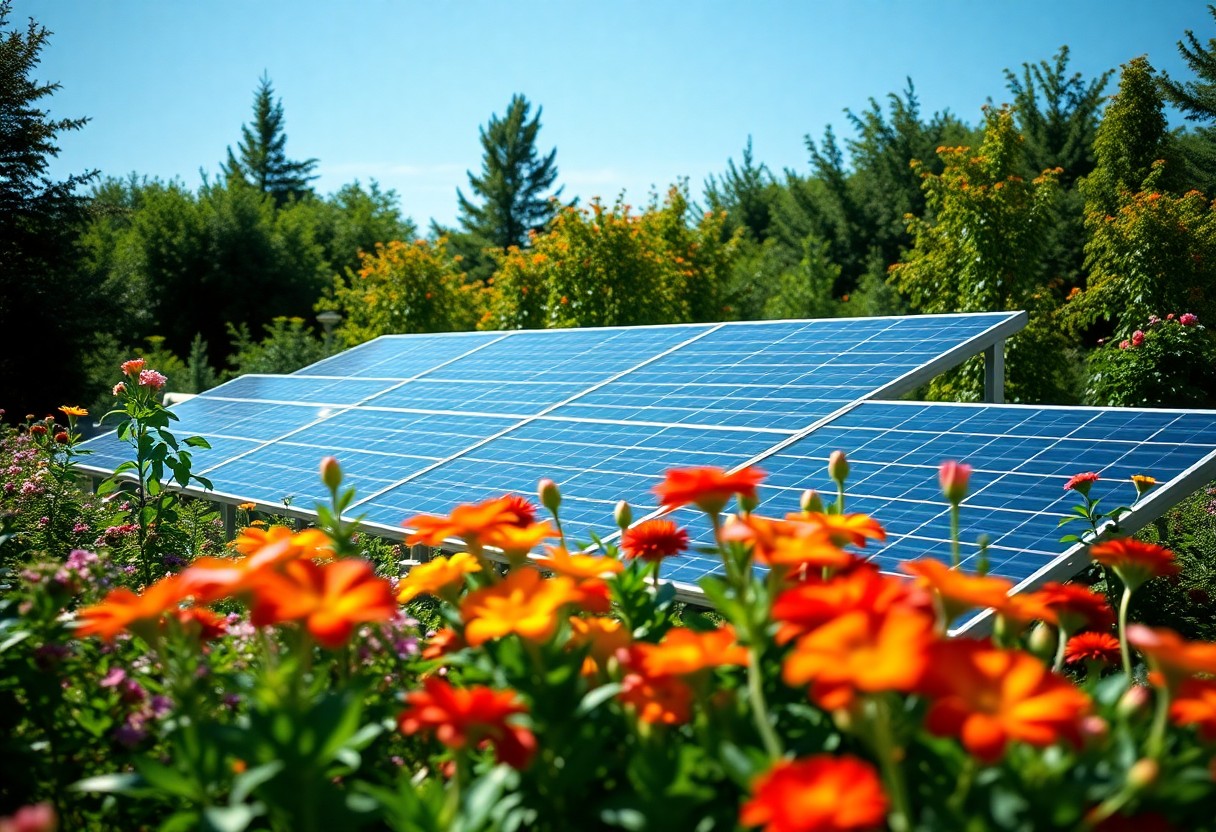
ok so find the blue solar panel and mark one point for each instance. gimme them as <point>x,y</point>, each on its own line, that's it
<point>399,356</point>
<point>596,465</point>
<point>301,389</point>
<point>1021,457</point>
<point>507,398</point>
<point>259,421</point>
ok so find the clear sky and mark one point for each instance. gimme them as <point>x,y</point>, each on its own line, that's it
<point>635,92</point>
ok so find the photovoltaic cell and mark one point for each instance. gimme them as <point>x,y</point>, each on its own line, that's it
<point>399,356</point>
<point>508,398</point>
<point>301,389</point>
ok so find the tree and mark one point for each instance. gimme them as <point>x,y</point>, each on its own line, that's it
<point>1197,99</point>
<point>746,192</point>
<point>979,248</point>
<point>513,188</point>
<point>263,161</point>
<point>47,312</point>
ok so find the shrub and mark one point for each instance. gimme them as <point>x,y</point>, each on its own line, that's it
<point>1168,363</point>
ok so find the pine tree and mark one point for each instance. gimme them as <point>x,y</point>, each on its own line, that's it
<point>746,192</point>
<point>46,311</point>
<point>1197,99</point>
<point>514,182</point>
<point>263,161</point>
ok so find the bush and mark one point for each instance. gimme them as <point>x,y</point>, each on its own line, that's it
<point>1168,363</point>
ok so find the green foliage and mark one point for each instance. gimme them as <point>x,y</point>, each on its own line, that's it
<point>1165,364</point>
<point>608,266</point>
<point>980,249</point>
<point>262,162</point>
<point>806,291</point>
<point>404,287</point>
<point>352,220</point>
<point>1197,99</point>
<point>511,197</point>
<point>47,308</point>
<point>746,192</point>
<point>288,345</point>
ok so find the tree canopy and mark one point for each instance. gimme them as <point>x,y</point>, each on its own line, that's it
<point>261,159</point>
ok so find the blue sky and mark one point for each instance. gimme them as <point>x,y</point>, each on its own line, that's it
<point>635,92</point>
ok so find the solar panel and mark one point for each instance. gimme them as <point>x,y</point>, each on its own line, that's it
<point>1021,457</point>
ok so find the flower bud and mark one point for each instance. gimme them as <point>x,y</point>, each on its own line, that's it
<point>1133,702</point>
<point>953,477</point>
<point>1143,773</point>
<point>838,467</point>
<point>748,502</point>
<point>623,515</point>
<point>1094,730</point>
<point>810,502</point>
<point>1043,640</point>
<point>550,496</point>
<point>331,473</point>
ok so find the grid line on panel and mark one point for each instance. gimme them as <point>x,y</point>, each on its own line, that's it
<point>538,415</point>
<point>329,415</point>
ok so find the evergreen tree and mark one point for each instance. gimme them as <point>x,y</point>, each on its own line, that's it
<point>1197,99</point>
<point>46,311</point>
<point>746,192</point>
<point>513,188</point>
<point>263,161</point>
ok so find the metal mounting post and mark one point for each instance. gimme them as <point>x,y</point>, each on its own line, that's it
<point>994,373</point>
<point>229,513</point>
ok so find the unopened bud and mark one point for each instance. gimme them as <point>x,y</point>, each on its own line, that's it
<point>810,502</point>
<point>1095,730</point>
<point>1043,640</point>
<point>954,477</point>
<point>748,503</point>
<point>331,473</point>
<point>838,467</point>
<point>550,496</point>
<point>1133,701</point>
<point>623,514</point>
<point>1143,773</point>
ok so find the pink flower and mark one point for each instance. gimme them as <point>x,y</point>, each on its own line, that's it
<point>1170,317</point>
<point>953,477</point>
<point>119,389</point>
<point>151,378</point>
<point>1081,483</point>
<point>1137,338</point>
<point>1188,319</point>
<point>1153,320</point>
<point>132,367</point>
<point>1125,345</point>
<point>40,817</point>
<point>114,678</point>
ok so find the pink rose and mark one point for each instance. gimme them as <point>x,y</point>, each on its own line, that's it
<point>1188,319</point>
<point>1137,338</point>
<point>151,378</point>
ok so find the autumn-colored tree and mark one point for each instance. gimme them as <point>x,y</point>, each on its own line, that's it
<point>979,248</point>
<point>608,265</point>
<point>404,287</point>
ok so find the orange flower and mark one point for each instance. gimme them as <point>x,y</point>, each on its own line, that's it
<point>578,566</point>
<point>330,599</point>
<point>1134,561</point>
<point>659,700</point>
<point>601,637</point>
<point>823,793</point>
<point>1195,704</point>
<point>844,529</point>
<point>787,543</point>
<point>279,543</point>
<point>474,716</point>
<point>709,489</point>
<point>1172,658</point>
<point>516,541</point>
<point>1081,483</point>
<point>201,622</point>
<point>988,697</point>
<point>1022,610</point>
<point>957,591</point>
<point>444,642</point>
<point>73,410</point>
<point>654,540</point>
<point>210,579</point>
<point>1076,607</point>
<point>470,523</point>
<point>524,511</point>
<point>247,506</point>
<point>441,576</point>
<point>122,609</point>
<point>523,603</point>
<point>810,605</point>
<point>1092,647</point>
<point>683,652</point>
<point>861,652</point>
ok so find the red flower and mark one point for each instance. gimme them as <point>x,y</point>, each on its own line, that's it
<point>1195,704</point>
<point>823,793</point>
<point>122,609</point>
<point>1134,561</point>
<point>807,606</point>
<point>1076,607</point>
<point>654,540</point>
<point>709,489</point>
<point>1081,483</point>
<point>524,511</point>
<point>987,696</point>
<point>1092,647</point>
<point>953,477</point>
<point>463,717</point>
<point>1172,658</point>
<point>662,700</point>
<point>684,652</point>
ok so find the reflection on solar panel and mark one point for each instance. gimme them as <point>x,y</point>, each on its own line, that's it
<point>425,422</point>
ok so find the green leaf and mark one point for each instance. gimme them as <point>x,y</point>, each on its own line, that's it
<point>596,697</point>
<point>197,442</point>
<point>244,784</point>
<point>228,818</point>
<point>127,783</point>
<point>167,779</point>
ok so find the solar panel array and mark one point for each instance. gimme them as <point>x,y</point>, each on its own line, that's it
<point>425,422</point>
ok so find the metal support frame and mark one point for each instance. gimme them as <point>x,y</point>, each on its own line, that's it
<point>228,511</point>
<point>994,373</point>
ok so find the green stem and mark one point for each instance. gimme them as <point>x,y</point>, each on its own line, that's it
<point>1124,649</point>
<point>955,556</point>
<point>1156,734</point>
<point>840,497</point>
<point>1061,644</point>
<point>885,750</point>
<point>755,691</point>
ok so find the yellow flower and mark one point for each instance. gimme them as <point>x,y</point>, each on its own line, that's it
<point>522,603</point>
<point>73,410</point>
<point>247,506</point>
<point>437,576</point>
